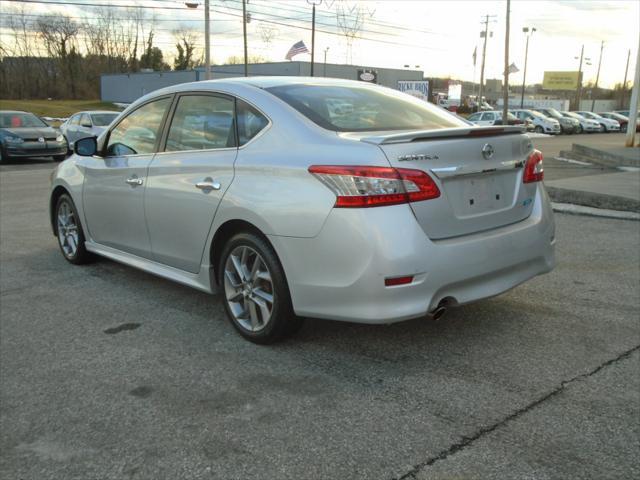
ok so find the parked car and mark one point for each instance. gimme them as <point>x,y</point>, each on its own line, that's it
<point>23,135</point>
<point>606,124</point>
<point>86,124</point>
<point>492,118</point>
<point>567,124</point>
<point>540,123</point>
<point>621,119</point>
<point>586,124</point>
<point>290,211</point>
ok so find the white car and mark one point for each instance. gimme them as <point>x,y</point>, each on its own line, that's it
<point>487,119</point>
<point>254,188</point>
<point>606,124</point>
<point>86,124</point>
<point>541,124</point>
<point>586,125</point>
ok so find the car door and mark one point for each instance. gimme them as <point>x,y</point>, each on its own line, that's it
<point>488,118</point>
<point>189,177</point>
<point>71,130</point>
<point>85,127</point>
<point>114,184</point>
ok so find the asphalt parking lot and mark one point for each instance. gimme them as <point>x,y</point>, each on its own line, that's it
<point>110,373</point>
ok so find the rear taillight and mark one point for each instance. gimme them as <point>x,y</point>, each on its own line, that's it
<point>361,186</point>
<point>533,169</point>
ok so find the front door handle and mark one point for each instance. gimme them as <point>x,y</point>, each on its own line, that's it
<point>208,184</point>
<point>134,181</point>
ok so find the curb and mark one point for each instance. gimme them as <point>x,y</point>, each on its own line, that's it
<point>593,200</point>
<point>594,212</point>
<point>600,157</point>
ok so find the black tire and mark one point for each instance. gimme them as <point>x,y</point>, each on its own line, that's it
<point>4,158</point>
<point>580,129</point>
<point>603,128</point>
<point>59,158</point>
<point>282,321</point>
<point>538,129</point>
<point>623,129</point>
<point>81,255</point>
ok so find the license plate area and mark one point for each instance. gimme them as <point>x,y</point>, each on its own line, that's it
<point>473,195</point>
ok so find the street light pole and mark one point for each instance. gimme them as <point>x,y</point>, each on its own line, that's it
<point>624,84</point>
<point>207,56</point>
<point>526,56</point>
<point>313,30</point>
<point>325,62</point>
<point>484,54</point>
<point>579,89</point>
<point>505,93</point>
<point>595,88</point>
<point>633,107</point>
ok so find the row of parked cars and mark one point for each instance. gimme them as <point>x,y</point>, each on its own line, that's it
<point>554,122</point>
<point>23,134</point>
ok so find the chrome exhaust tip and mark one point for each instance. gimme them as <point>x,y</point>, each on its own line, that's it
<point>437,313</point>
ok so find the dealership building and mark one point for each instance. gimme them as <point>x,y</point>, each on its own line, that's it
<point>127,87</point>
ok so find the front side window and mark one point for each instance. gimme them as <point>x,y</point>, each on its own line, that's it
<point>137,133</point>
<point>355,108</point>
<point>75,120</point>
<point>201,122</point>
<point>488,116</point>
<point>475,117</point>
<point>85,121</point>
<point>250,122</point>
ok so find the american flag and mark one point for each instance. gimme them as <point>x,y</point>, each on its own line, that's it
<point>297,48</point>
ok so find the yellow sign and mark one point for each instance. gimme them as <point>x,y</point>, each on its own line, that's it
<point>560,80</point>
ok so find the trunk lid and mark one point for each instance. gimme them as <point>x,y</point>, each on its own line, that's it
<point>478,170</point>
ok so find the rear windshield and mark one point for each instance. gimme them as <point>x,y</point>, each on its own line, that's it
<point>103,119</point>
<point>366,108</point>
<point>20,120</point>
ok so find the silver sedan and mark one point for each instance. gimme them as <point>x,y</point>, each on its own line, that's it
<point>306,197</point>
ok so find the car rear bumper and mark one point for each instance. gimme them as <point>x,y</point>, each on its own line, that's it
<point>340,273</point>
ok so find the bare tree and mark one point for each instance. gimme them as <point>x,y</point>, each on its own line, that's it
<point>60,37</point>
<point>186,46</point>
<point>350,17</point>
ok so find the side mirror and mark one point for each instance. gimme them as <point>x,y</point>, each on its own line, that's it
<point>86,147</point>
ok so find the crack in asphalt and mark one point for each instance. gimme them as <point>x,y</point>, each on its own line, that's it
<point>465,441</point>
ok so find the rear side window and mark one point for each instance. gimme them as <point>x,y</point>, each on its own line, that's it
<point>201,122</point>
<point>355,108</point>
<point>250,122</point>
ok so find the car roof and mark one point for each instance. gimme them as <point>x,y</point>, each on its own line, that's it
<point>13,111</point>
<point>92,112</point>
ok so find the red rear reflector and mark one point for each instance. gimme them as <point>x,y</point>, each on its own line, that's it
<point>533,169</point>
<point>392,282</point>
<point>362,186</point>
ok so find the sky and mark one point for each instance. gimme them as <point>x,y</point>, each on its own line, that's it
<point>439,36</point>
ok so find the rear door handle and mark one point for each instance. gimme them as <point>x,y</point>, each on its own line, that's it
<point>134,181</point>
<point>208,184</point>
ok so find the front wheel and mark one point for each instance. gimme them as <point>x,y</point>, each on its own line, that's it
<point>256,295</point>
<point>579,129</point>
<point>602,128</point>
<point>623,129</point>
<point>69,232</point>
<point>59,158</point>
<point>538,129</point>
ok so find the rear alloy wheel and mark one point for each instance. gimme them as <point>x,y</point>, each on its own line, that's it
<point>256,295</point>
<point>69,232</point>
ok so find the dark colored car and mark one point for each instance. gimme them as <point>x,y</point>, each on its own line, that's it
<point>23,135</point>
<point>568,125</point>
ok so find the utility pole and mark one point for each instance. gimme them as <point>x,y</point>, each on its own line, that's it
<point>579,89</point>
<point>526,56</point>
<point>595,88</point>
<point>484,55</point>
<point>624,84</point>
<point>633,107</point>
<point>207,43</point>
<point>505,92</point>
<point>244,35</point>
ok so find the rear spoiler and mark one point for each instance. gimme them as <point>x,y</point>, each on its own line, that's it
<point>423,135</point>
